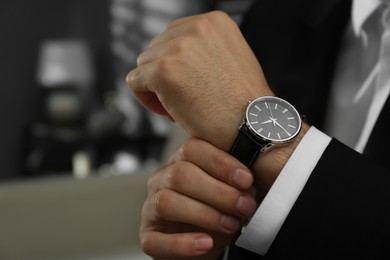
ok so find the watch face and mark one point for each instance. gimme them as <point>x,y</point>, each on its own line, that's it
<point>273,119</point>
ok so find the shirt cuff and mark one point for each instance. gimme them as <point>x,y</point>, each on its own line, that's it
<point>262,229</point>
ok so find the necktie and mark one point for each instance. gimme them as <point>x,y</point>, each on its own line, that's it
<point>356,83</point>
<point>382,85</point>
<point>384,60</point>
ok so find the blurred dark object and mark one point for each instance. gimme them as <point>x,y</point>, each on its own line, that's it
<point>66,72</point>
<point>24,25</point>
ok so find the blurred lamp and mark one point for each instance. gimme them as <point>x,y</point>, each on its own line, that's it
<point>65,69</point>
<point>65,62</point>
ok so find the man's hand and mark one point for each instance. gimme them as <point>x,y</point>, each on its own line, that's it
<point>196,203</point>
<point>201,73</point>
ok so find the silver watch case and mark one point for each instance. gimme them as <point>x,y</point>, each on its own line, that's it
<point>270,131</point>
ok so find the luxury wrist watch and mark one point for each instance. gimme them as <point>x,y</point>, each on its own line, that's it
<point>268,121</point>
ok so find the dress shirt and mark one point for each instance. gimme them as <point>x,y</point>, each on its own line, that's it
<point>274,209</point>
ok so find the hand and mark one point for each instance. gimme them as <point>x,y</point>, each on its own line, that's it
<point>201,73</point>
<point>196,203</point>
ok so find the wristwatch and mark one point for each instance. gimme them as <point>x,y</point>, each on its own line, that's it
<point>268,121</point>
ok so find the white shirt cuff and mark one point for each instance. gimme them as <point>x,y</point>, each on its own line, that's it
<point>262,229</point>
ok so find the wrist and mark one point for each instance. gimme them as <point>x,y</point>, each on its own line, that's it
<point>270,163</point>
<point>226,133</point>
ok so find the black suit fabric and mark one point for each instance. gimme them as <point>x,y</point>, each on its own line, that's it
<point>297,44</point>
<point>344,210</point>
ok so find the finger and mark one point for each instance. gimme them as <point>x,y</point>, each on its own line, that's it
<point>171,206</point>
<point>154,52</point>
<point>138,81</point>
<point>170,246</point>
<point>189,180</point>
<point>216,162</point>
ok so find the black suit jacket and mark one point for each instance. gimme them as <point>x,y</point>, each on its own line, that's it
<point>344,209</point>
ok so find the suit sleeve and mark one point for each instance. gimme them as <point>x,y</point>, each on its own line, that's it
<point>344,210</point>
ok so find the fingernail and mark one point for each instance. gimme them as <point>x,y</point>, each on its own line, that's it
<point>246,206</point>
<point>230,224</point>
<point>242,178</point>
<point>203,244</point>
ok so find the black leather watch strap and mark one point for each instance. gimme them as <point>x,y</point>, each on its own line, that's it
<point>245,148</point>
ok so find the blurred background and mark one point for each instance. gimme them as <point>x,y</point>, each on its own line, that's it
<point>75,147</point>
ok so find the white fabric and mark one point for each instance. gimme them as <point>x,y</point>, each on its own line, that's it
<point>361,9</point>
<point>265,224</point>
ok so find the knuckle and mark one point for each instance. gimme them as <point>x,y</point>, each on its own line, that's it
<point>146,243</point>
<point>201,21</point>
<point>187,149</point>
<point>222,18</point>
<point>161,203</point>
<point>151,184</point>
<point>141,59</point>
<point>219,15</point>
<point>153,41</point>
<point>131,77</point>
<point>201,26</point>
<point>225,162</point>
<point>144,212</point>
<point>176,177</point>
<point>163,65</point>
<point>182,45</point>
<point>165,68</point>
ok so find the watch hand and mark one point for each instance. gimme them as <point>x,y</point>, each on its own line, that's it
<point>272,116</point>
<point>273,121</point>
<point>281,127</point>
<point>266,122</point>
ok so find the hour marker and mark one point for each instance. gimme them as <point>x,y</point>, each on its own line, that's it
<point>261,129</point>
<point>253,123</point>
<point>284,111</point>
<point>258,108</point>
<point>292,126</point>
<point>269,135</point>
<point>266,104</point>
<point>290,118</point>
<point>279,136</point>
<point>276,106</point>
<point>253,114</point>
